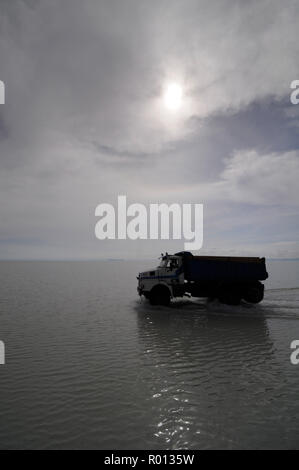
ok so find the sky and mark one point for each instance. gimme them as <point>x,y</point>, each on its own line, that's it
<point>84,121</point>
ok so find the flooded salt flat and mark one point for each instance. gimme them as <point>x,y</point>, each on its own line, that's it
<point>90,365</point>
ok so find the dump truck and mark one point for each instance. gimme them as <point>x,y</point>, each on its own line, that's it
<point>228,279</point>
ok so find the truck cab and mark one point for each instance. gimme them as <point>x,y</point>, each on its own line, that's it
<point>164,282</point>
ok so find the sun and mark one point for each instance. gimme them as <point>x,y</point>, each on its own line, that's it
<point>173,96</point>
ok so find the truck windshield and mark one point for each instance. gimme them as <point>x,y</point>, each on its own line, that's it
<point>169,263</point>
<point>164,262</point>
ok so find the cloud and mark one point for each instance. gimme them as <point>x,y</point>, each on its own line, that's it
<point>261,179</point>
<point>84,118</point>
<point>96,70</point>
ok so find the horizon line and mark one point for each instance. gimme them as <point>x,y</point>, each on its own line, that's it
<point>129,259</point>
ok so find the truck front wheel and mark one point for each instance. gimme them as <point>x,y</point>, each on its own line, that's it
<point>159,296</point>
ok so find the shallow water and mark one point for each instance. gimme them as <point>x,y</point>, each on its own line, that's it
<point>89,365</point>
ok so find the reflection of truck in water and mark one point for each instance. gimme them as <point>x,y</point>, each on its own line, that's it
<point>229,279</point>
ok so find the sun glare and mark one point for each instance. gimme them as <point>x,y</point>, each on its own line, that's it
<point>173,96</point>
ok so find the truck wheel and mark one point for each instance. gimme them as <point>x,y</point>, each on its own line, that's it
<point>159,296</point>
<point>254,294</point>
<point>229,297</point>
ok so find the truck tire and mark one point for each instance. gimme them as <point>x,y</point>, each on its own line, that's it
<point>229,296</point>
<point>254,294</point>
<point>159,295</point>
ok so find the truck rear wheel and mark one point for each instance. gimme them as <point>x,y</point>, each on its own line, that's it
<point>254,294</point>
<point>159,296</point>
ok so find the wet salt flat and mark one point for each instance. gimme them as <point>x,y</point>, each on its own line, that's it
<point>90,365</point>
